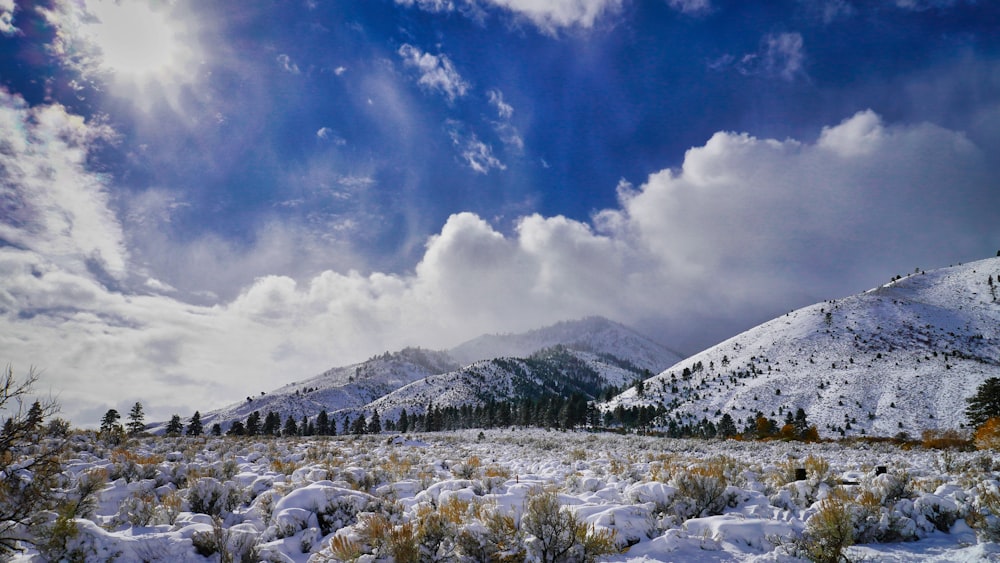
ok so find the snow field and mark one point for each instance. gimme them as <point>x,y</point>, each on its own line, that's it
<point>453,496</point>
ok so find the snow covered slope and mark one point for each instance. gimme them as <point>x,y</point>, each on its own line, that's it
<point>592,334</point>
<point>901,357</point>
<point>617,353</point>
<point>553,371</point>
<point>343,388</point>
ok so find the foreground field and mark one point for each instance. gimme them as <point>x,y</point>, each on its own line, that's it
<point>521,495</point>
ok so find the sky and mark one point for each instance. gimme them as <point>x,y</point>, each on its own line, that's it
<point>200,201</point>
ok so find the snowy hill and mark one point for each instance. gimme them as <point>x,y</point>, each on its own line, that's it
<point>901,357</point>
<point>343,388</point>
<point>592,334</point>
<point>554,371</point>
<point>616,353</point>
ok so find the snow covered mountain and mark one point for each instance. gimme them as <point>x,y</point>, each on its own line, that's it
<point>559,371</point>
<point>589,348</point>
<point>592,334</point>
<point>902,357</point>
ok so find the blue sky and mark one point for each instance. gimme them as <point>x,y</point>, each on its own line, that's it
<point>210,199</point>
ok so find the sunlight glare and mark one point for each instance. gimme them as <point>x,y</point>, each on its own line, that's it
<point>135,41</point>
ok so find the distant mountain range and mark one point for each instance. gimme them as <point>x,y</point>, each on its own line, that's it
<point>582,356</point>
<point>902,357</point>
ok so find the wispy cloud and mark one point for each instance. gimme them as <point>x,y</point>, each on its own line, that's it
<point>780,55</point>
<point>475,153</point>
<point>692,7</point>
<point>287,64</point>
<point>549,16</point>
<point>436,72</point>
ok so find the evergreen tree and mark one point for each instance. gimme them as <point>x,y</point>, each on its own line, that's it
<point>727,427</point>
<point>985,404</point>
<point>359,426</point>
<point>800,423</point>
<point>109,423</point>
<point>291,429</point>
<point>272,424</point>
<point>136,420</point>
<point>236,429</point>
<point>253,424</point>
<point>323,423</point>
<point>404,423</point>
<point>194,427</point>
<point>304,427</point>
<point>33,420</point>
<point>174,427</point>
<point>216,429</point>
<point>375,424</point>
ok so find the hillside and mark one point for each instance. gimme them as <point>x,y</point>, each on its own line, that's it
<point>554,371</point>
<point>592,334</point>
<point>591,347</point>
<point>901,357</point>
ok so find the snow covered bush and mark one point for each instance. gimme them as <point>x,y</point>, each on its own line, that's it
<point>829,530</point>
<point>701,491</point>
<point>555,534</point>
<point>984,515</point>
<point>210,496</point>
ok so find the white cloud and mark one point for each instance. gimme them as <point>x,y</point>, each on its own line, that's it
<point>287,64</point>
<point>476,154</point>
<point>548,15</point>
<point>436,72</point>
<point>781,55</point>
<point>7,17</point>
<point>504,110</point>
<point>691,6</point>
<point>746,227</point>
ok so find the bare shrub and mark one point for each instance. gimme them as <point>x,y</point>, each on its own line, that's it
<point>829,531</point>
<point>701,491</point>
<point>29,462</point>
<point>984,515</point>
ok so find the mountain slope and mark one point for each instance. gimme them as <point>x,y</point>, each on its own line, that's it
<point>592,334</point>
<point>619,354</point>
<point>900,357</point>
<point>554,371</point>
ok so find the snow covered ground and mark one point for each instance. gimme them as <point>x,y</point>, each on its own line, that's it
<point>471,496</point>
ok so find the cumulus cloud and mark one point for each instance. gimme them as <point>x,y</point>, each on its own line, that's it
<point>746,227</point>
<point>436,72</point>
<point>7,17</point>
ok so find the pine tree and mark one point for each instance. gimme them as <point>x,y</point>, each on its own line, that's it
<point>174,427</point>
<point>323,423</point>
<point>136,420</point>
<point>194,427</point>
<point>726,428</point>
<point>375,424</point>
<point>272,424</point>
<point>985,404</point>
<point>253,424</point>
<point>359,426</point>
<point>216,429</point>
<point>236,429</point>
<point>404,423</point>
<point>109,423</point>
<point>291,429</point>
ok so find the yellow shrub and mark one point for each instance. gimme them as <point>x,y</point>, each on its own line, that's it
<point>987,436</point>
